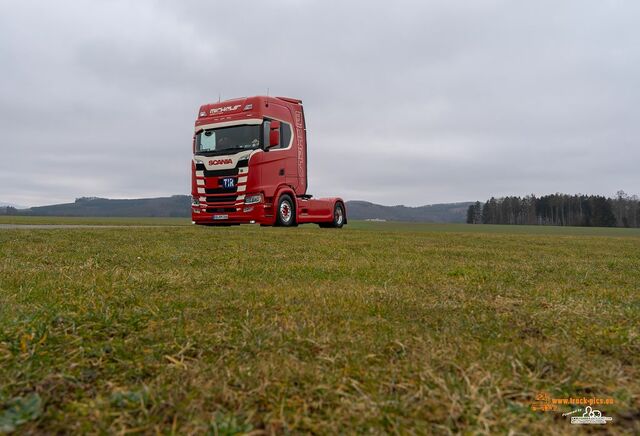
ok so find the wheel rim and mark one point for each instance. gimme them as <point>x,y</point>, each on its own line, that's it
<point>339,215</point>
<point>285,211</point>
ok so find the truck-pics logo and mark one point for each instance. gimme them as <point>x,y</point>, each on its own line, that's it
<point>217,110</point>
<point>590,416</point>
<point>220,161</point>
<point>544,402</point>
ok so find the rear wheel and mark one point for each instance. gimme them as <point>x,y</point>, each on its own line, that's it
<point>338,217</point>
<point>286,211</point>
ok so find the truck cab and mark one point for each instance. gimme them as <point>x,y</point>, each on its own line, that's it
<point>250,166</point>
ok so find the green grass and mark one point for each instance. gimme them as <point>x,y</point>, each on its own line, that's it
<point>495,228</point>
<point>379,327</point>
<point>97,221</point>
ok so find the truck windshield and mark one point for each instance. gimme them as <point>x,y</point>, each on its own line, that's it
<point>228,139</point>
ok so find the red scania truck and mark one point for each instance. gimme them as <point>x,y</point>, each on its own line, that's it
<point>250,166</point>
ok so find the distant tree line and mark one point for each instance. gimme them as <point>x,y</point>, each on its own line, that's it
<point>8,210</point>
<point>559,210</point>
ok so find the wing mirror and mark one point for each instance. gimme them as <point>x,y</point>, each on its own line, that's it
<point>274,134</point>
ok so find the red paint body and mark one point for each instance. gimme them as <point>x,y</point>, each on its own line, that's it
<point>269,171</point>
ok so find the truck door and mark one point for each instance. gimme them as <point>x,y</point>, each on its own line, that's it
<point>286,142</point>
<point>272,163</point>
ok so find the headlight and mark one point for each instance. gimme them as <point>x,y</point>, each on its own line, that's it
<point>253,199</point>
<point>195,202</point>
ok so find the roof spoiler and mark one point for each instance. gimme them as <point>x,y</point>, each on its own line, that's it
<point>290,100</point>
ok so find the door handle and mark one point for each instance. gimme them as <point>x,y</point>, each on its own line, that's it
<point>282,171</point>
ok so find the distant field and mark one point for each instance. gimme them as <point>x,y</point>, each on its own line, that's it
<point>94,220</point>
<point>379,327</point>
<point>496,228</point>
<point>353,225</point>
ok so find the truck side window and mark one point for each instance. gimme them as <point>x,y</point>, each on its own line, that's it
<point>285,135</point>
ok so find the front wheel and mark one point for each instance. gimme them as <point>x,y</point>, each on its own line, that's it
<point>338,218</point>
<point>286,211</point>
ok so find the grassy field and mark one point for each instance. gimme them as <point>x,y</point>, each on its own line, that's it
<point>379,327</point>
<point>95,221</point>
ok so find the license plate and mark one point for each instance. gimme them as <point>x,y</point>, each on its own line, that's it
<point>220,217</point>
<point>228,183</point>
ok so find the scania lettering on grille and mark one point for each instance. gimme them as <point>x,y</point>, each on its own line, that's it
<point>220,161</point>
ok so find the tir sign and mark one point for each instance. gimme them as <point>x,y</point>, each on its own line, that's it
<point>228,183</point>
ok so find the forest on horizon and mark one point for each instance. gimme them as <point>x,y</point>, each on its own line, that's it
<point>559,210</point>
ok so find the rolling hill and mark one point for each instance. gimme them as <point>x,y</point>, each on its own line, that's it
<point>179,206</point>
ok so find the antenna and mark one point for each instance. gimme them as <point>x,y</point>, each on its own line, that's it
<point>219,96</point>
<point>267,92</point>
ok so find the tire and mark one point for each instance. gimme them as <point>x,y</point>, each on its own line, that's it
<point>286,212</point>
<point>339,218</point>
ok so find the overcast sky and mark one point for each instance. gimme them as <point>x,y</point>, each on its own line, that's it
<point>406,102</point>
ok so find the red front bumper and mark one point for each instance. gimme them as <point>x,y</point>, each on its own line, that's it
<point>244,214</point>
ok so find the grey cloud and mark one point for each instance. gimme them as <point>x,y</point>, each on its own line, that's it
<point>410,102</point>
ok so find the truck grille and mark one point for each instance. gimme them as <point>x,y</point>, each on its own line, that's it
<point>220,191</point>
<point>221,173</point>
<point>220,199</point>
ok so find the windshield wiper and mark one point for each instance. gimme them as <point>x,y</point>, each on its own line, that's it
<point>250,147</point>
